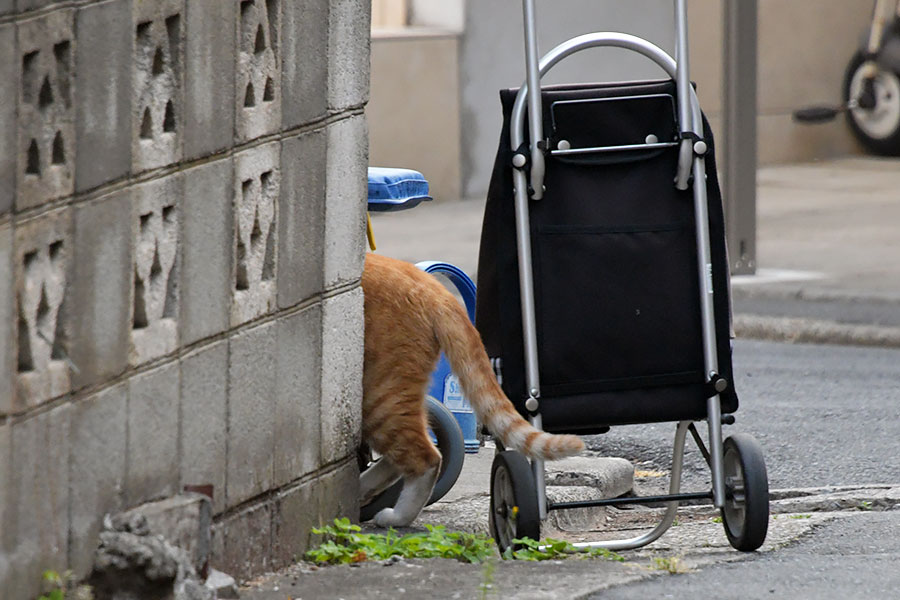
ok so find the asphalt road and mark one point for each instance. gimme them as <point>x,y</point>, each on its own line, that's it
<point>852,556</point>
<point>824,415</point>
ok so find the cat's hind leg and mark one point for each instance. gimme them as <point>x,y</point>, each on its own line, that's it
<point>416,491</point>
<point>420,465</point>
<point>377,478</point>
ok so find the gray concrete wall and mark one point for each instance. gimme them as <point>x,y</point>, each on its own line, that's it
<point>414,108</point>
<point>181,240</point>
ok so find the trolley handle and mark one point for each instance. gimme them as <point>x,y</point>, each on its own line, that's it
<point>535,109</point>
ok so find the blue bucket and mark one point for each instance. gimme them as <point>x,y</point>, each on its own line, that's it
<point>445,386</point>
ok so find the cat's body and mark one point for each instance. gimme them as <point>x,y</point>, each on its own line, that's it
<point>410,318</point>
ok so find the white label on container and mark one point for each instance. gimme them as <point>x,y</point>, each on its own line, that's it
<point>453,396</point>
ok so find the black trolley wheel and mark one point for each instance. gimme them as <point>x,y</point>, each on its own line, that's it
<point>877,128</point>
<point>746,511</point>
<point>450,443</point>
<point>514,505</point>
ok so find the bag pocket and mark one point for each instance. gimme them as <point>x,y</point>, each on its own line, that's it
<point>617,308</point>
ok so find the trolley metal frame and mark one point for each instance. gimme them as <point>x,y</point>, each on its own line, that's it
<point>690,165</point>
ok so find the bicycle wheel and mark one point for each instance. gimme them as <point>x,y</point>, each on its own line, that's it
<point>878,127</point>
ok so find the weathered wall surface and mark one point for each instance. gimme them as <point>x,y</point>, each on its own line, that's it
<point>181,239</point>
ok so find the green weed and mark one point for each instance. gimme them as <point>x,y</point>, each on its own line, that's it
<point>63,587</point>
<point>671,564</point>
<point>345,543</point>
<point>550,549</point>
<point>487,578</point>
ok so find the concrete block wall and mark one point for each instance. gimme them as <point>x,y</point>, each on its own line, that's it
<point>181,242</point>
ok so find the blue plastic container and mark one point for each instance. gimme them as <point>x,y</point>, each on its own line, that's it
<point>445,386</point>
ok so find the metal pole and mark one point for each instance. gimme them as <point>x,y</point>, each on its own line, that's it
<point>535,114</point>
<point>671,507</point>
<point>704,260</point>
<point>739,128</point>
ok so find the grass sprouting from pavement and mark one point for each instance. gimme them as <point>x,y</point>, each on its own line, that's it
<point>345,543</point>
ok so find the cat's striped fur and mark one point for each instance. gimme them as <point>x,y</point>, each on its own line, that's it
<point>410,317</point>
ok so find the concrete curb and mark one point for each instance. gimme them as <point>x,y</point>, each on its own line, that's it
<point>811,331</point>
<point>807,293</point>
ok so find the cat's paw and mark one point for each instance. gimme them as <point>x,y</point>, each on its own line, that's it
<point>388,517</point>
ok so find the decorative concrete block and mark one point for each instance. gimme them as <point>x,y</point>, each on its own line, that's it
<point>42,258</point>
<point>294,514</point>
<point>301,227</point>
<point>105,37</point>
<point>305,74</point>
<point>297,395</point>
<point>257,185</point>
<point>9,86</point>
<point>7,324</point>
<point>39,499</point>
<point>342,362</point>
<point>156,248</point>
<point>152,462</point>
<point>345,200</point>
<point>24,5</point>
<point>209,77</point>
<point>208,234</point>
<point>46,139</point>
<point>5,507</point>
<point>98,438</point>
<point>251,413</point>
<point>157,101</point>
<point>339,494</point>
<point>248,543</point>
<point>349,22</point>
<point>204,426</point>
<point>258,69</point>
<point>101,288</point>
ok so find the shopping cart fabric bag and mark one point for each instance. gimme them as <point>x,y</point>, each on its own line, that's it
<point>617,292</point>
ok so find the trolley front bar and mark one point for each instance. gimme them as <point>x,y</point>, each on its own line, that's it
<point>632,500</point>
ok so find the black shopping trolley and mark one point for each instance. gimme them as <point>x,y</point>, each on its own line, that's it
<point>603,284</point>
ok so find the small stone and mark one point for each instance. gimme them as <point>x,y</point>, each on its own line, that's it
<point>222,584</point>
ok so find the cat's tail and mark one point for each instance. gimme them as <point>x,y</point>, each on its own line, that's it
<point>463,347</point>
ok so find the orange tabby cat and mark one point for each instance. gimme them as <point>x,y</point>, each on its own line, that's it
<point>410,317</point>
